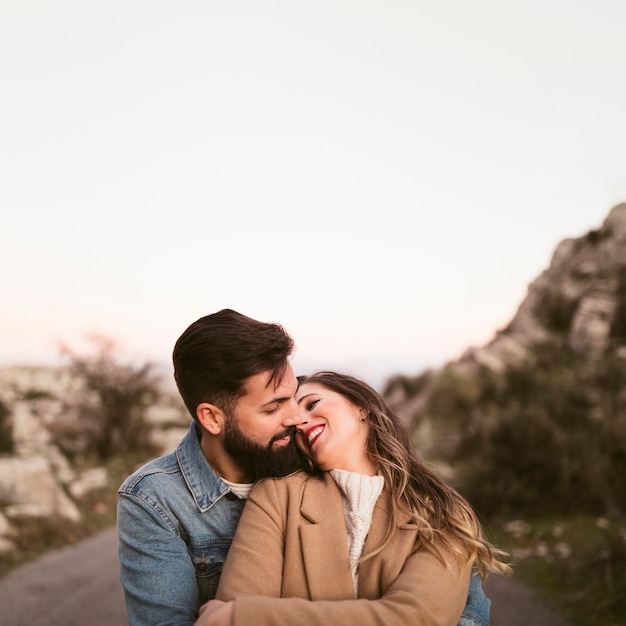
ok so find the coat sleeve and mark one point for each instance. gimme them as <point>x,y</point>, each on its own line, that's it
<point>426,592</point>
<point>254,564</point>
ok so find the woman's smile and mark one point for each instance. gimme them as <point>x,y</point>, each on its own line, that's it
<point>313,433</point>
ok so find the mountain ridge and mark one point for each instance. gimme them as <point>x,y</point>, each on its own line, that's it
<point>567,337</point>
<point>581,281</point>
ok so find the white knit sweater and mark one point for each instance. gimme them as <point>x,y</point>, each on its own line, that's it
<point>360,493</point>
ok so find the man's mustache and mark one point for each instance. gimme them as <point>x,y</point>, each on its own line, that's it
<point>290,431</point>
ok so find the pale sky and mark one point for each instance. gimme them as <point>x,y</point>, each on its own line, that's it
<point>383,178</point>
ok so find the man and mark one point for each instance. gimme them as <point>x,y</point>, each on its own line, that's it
<point>177,514</point>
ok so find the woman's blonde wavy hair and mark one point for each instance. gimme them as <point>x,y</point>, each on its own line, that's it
<point>442,514</point>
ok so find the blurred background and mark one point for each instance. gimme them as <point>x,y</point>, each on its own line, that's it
<point>386,180</point>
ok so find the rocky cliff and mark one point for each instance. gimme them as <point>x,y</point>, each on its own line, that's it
<point>578,294</point>
<point>37,478</point>
<point>576,308</point>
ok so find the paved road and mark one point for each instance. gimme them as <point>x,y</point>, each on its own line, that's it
<point>75,586</point>
<point>513,604</point>
<point>79,586</point>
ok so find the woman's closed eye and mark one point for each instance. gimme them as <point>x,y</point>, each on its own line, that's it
<point>311,404</point>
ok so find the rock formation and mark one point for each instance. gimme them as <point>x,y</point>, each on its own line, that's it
<point>36,478</point>
<point>577,305</point>
<point>578,293</point>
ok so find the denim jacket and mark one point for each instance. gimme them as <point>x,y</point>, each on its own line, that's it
<point>477,609</point>
<point>176,519</point>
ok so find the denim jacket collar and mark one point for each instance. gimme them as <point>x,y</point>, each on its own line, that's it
<point>204,484</point>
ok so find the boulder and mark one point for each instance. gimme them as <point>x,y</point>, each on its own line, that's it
<point>29,484</point>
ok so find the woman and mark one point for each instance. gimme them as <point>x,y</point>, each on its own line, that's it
<point>371,534</point>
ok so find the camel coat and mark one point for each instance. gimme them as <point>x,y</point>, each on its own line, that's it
<point>291,547</point>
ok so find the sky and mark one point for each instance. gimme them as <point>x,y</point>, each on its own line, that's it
<point>384,179</point>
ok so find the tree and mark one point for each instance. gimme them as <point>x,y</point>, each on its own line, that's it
<point>112,414</point>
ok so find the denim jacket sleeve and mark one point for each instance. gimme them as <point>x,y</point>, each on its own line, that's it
<point>477,609</point>
<point>176,520</point>
<point>157,572</point>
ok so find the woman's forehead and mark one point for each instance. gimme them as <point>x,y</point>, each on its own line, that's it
<point>306,388</point>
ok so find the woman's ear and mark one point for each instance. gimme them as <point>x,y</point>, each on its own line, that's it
<point>211,417</point>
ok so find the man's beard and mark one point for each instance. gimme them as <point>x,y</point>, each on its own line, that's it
<point>261,461</point>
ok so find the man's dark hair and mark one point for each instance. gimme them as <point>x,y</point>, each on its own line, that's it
<point>217,353</point>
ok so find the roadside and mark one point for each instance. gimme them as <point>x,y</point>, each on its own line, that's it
<point>514,604</point>
<point>79,585</point>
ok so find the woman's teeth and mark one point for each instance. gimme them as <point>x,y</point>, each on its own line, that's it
<point>312,435</point>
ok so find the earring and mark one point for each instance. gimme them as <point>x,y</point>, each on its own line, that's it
<point>362,418</point>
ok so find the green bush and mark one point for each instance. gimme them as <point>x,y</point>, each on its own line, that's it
<point>545,437</point>
<point>578,563</point>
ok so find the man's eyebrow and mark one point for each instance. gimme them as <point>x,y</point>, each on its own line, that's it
<point>278,400</point>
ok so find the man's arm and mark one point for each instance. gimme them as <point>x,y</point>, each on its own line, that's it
<point>157,573</point>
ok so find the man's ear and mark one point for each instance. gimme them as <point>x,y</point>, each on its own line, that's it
<point>211,417</point>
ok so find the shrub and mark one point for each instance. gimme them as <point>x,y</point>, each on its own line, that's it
<point>6,431</point>
<point>112,416</point>
<point>554,439</point>
<point>556,311</point>
<point>618,326</point>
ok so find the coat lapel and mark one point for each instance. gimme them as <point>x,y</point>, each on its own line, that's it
<point>324,541</point>
<point>376,574</point>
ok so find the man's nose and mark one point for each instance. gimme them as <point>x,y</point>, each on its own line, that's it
<point>293,417</point>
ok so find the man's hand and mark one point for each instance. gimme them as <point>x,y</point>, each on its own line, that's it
<point>215,613</point>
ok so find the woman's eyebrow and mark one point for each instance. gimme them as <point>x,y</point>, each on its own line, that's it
<point>304,397</point>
